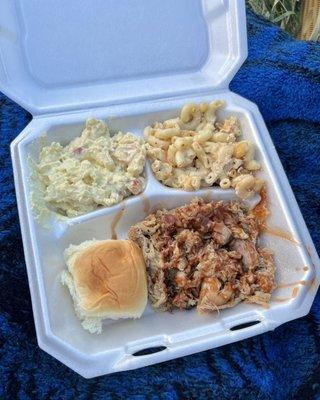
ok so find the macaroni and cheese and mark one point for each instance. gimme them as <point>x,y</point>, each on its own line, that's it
<point>195,150</point>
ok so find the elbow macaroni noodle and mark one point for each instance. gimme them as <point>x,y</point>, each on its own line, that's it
<point>196,151</point>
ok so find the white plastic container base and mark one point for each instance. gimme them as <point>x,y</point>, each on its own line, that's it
<point>60,332</point>
<point>145,92</point>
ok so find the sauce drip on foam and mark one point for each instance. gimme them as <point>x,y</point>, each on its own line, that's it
<point>280,233</point>
<point>261,212</point>
<point>302,269</point>
<point>284,285</point>
<point>146,204</point>
<point>294,294</point>
<point>295,290</point>
<point>115,222</point>
<point>314,283</point>
<point>156,207</point>
<point>208,195</point>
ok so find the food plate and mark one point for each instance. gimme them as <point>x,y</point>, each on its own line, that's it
<point>61,105</point>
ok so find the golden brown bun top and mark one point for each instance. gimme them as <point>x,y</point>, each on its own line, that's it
<point>110,276</point>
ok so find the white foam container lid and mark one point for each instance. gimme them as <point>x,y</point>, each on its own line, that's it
<point>134,62</point>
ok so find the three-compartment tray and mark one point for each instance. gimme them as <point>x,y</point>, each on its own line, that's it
<point>130,94</point>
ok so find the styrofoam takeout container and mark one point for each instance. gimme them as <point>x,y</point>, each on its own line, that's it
<point>135,62</point>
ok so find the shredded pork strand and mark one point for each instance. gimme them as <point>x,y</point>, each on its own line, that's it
<point>205,255</point>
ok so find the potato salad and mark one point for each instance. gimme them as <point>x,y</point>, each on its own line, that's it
<point>93,170</point>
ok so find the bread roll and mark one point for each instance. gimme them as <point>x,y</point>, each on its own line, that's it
<point>106,279</point>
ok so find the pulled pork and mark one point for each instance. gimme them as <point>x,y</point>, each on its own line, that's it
<point>204,255</point>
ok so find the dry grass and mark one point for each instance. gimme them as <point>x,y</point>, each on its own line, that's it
<point>285,13</point>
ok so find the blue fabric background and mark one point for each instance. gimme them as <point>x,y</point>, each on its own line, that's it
<point>282,76</point>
